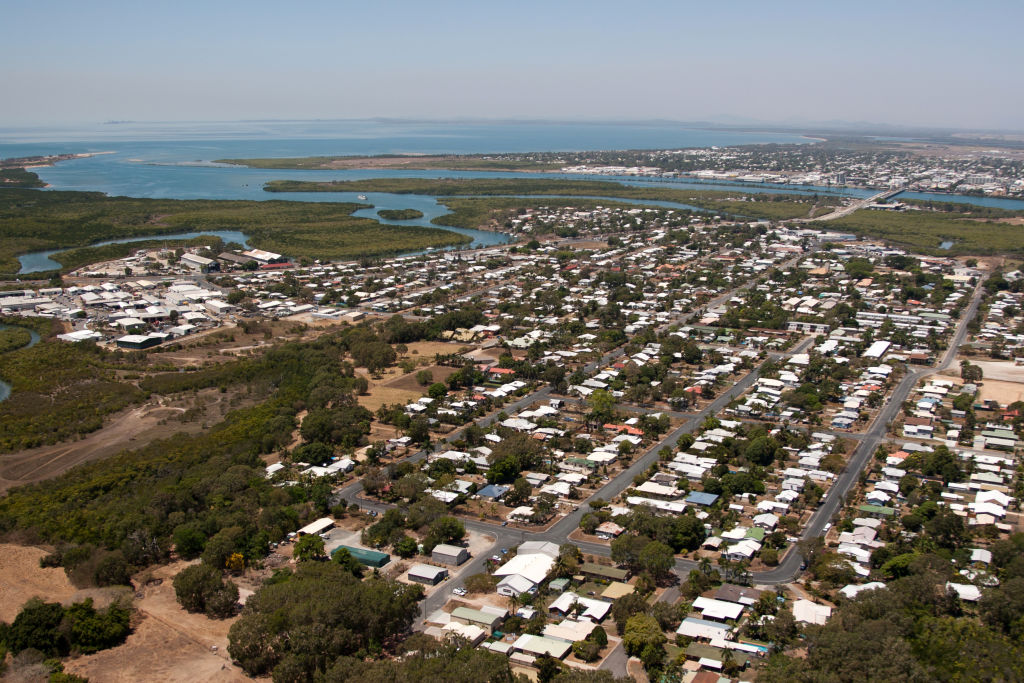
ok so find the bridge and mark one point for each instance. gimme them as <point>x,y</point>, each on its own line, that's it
<point>854,206</point>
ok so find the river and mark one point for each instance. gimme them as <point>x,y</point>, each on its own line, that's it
<point>5,388</point>
<point>174,161</point>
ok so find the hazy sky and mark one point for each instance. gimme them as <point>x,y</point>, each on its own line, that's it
<point>905,62</point>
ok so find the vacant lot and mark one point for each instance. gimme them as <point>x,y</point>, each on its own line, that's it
<point>1003,392</point>
<point>168,644</point>
<point>21,578</point>
<point>1004,371</point>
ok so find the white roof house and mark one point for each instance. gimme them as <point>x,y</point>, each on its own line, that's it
<point>811,613</point>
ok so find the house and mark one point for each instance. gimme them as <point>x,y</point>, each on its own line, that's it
<point>475,617</point>
<point>594,610</point>
<point>524,572</point>
<point>602,572</point>
<point>702,629</point>
<point>608,530</point>
<point>536,646</point>
<point>811,613</point>
<point>427,574</point>
<point>701,498</point>
<point>449,554</point>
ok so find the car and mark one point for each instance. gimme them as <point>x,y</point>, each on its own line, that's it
<point>827,527</point>
<point>504,523</point>
<point>496,558</point>
<point>459,591</point>
<point>504,551</point>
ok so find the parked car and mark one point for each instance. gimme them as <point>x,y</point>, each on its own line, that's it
<point>459,591</point>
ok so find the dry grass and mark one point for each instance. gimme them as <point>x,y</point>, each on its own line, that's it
<point>21,578</point>
<point>168,644</point>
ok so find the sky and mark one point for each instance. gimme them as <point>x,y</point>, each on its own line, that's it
<point>923,64</point>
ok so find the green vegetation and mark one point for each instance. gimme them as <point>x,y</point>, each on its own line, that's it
<point>756,205</point>
<point>58,391</point>
<point>923,231</point>
<point>406,161</point>
<point>19,177</point>
<point>76,258</point>
<point>400,214</point>
<point>201,588</point>
<point>14,338</point>
<point>214,499</point>
<point>910,631</point>
<point>58,631</point>
<point>33,221</point>
<point>303,623</point>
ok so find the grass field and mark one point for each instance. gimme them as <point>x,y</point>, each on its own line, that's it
<point>33,221</point>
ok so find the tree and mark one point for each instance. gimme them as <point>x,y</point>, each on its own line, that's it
<point>343,558</point>
<point>317,615</point>
<point>201,588</point>
<point>189,541</point>
<point>309,547</point>
<point>642,630</point>
<point>547,668</point>
<point>658,559</point>
<point>519,493</point>
<point>627,547</point>
<point>602,406</point>
<point>406,547</point>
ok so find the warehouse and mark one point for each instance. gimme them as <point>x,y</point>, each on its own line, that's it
<point>370,558</point>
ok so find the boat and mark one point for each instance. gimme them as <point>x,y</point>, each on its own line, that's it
<point>362,197</point>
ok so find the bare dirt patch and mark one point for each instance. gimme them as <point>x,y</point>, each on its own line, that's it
<point>1004,393</point>
<point>21,578</point>
<point>1005,371</point>
<point>131,428</point>
<point>168,643</point>
<point>439,373</point>
<point>430,349</point>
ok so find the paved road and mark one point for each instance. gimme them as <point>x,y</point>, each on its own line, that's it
<point>850,208</point>
<point>788,569</point>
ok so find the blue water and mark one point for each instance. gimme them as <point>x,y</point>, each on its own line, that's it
<point>5,388</point>
<point>173,160</point>
<point>993,202</point>
<point>40,260</point>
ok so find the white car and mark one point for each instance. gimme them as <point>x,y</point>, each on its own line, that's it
<point>459,591</point>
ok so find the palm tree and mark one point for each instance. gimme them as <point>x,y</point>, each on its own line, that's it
<point>704,565</point>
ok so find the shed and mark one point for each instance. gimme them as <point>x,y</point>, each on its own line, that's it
<point>427,574</point>
<point>449,554</point>
<point>318,527</point>
<point>370,558</point>
<point>600,571</point>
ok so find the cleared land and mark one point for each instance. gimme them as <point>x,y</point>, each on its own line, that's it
<point>169,644</point>
<point>21,578</point>
<point>1003,392</point>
